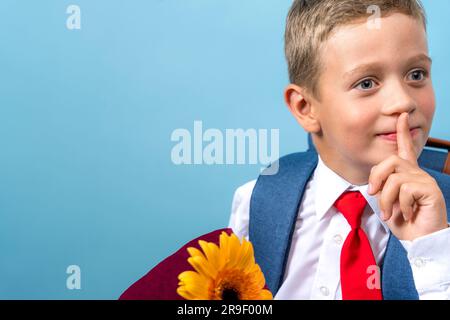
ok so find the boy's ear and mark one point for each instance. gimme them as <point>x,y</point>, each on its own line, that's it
<point>303,107</point>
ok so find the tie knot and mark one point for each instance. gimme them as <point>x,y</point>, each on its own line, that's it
<point>351,204</point>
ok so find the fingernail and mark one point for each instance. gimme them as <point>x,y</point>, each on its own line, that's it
<point>370,188</point>
<point>383,215</point>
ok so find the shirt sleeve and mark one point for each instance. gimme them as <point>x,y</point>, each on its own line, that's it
<point>430,263</point>
<point>240,210</point>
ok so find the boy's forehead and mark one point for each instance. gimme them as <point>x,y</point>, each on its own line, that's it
<point>399,38</point>
<point>394,27</point>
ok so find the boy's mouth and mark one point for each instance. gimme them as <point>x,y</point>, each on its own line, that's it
<point>392,136</point>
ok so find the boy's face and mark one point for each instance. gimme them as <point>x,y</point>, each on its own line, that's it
<point>370,77</point>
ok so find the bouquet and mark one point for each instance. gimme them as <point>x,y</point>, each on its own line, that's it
<point>215,266</point>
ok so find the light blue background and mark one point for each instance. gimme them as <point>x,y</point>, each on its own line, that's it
<point>86,117</point>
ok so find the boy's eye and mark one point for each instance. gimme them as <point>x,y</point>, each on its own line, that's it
<point>365,84</point>
<point>418,75</point>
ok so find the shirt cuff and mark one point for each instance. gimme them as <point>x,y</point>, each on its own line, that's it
<point>429,257</point>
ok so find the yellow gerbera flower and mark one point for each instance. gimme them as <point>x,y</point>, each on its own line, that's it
<point>228,272</point>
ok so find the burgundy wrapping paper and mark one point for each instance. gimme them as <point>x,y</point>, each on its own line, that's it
<point>161,282</point>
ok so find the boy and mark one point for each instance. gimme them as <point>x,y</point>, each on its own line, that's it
<point>361,87</point>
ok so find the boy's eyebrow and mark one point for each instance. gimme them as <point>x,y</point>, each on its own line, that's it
<point>376,66</point>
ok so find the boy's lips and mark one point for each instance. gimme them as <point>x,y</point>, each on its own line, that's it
<point>392,136</point>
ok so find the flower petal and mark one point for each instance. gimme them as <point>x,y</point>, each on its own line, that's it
<point>246,259</point>
<point>265,295</point>
<point>235,250</point>
<point>194,252</point>
<point>193,292</point>
<point>202,266</point>
<point>191,276</point>
<point>224,248</point>
<point>212,253</point>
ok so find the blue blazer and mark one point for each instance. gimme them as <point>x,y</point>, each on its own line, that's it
<point>274,207</point>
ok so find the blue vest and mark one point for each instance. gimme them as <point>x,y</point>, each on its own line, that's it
<point>274,207</point>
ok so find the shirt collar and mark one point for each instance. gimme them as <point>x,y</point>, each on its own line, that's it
<point>329,186</point>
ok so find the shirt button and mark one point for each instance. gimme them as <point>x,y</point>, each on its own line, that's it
<point>419,262</point>
<point>337,239</point>
<point>324,290</point>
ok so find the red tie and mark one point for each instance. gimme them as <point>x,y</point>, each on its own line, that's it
<point>357,260</point>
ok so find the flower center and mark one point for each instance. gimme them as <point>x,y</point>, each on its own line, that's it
<point>230,294</point>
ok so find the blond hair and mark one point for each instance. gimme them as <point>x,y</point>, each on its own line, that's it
<point>310,22</point>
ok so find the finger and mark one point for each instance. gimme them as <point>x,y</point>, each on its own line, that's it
<point>407,201</point>
<point>388,216</point>
<point>380,173</point>
<point>390,193</point>
<point>405,143</point>
<point>397,220</point>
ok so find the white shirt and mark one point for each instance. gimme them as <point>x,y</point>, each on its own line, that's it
<point>313,266</point>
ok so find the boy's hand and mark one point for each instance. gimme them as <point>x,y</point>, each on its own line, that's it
<point>412,202</point>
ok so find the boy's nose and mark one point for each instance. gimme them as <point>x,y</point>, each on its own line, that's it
<point>398,100</point>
